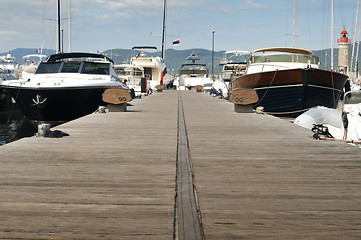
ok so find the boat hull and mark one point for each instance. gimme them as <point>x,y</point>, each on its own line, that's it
<point>57,104</point>
<point>290,92</point>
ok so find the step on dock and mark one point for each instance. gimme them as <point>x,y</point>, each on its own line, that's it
<point>220,175</point>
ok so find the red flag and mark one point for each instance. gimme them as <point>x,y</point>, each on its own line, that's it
<point>176,42</point>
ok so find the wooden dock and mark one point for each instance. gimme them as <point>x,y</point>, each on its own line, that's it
<point>117,176</point>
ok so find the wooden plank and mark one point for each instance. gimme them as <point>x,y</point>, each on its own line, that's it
<point>113,177</point>
<point>261,177</point>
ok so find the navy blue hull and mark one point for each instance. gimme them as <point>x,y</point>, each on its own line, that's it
<point>54,104</point>
<point>291,92</point>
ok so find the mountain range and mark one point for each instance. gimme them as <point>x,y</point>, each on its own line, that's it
<point>175,58</point>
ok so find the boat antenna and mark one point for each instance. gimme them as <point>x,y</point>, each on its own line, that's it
<point>164,28</point>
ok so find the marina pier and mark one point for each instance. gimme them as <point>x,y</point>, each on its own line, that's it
<point>121,175</point>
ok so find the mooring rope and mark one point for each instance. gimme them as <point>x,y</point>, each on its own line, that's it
<point>269,86</point>
<point>13,106</point>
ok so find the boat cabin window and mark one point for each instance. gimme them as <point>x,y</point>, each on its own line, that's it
<point>137,72</point>
<point>122,71</point>
<point>95,68</point>
<point>125,71</point>
<point>193,70</point>
<point>45,68</point>
<point>70,67</point>
<point>292,58</point>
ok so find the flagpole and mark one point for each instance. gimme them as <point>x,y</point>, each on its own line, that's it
<point>213,54</point>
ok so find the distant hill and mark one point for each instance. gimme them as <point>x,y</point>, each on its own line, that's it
<point>175,58</point>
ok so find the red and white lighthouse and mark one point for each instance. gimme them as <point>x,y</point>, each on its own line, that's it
<point>343,53</point>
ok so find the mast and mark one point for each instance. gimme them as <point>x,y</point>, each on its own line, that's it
<point>357,51</point>
<point>164,28</point>
<point>69,25</point>
<point>59,35</point>
<point>354,39</point>
<point>332,37</point>
<point>295,24</point>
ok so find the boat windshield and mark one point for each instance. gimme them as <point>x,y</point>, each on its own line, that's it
<point>73,67</point>
<point>95,68</point>
<point>291,58</point>
<point>70,67</point>
<point>45,68</point>
<point>353,98</point>
<point>193,69</point>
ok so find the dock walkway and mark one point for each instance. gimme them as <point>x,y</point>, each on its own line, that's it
<point>116,176</point>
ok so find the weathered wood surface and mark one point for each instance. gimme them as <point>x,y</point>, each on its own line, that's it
<point>256,176</point>
<point>112,178</point>
<point>260,177</point>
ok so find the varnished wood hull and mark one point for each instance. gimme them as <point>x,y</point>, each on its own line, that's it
<point>291,92</point>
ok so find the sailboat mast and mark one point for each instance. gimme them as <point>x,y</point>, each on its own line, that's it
<point>295,24</point>
<point>164,28</point>
<point>332,37</point>
<point>59,35</point>
<point>69,25</point>
<point>354,39</point>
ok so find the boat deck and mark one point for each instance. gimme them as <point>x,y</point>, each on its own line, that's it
<point>220,175</point>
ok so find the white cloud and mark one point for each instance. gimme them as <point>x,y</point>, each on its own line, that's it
<point>8,34</point>
<point>130,8</point>
<point>249,4</point>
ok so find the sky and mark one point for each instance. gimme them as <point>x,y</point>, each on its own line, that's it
<point>99,25</point>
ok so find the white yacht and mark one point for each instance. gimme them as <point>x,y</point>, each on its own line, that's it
<point>153,65</point>
<point>193,74</point>
<point>9,67</point>
<point>233,65</point>
<point>31,63</point>
<point>64,87</point>
<point>132,76</point>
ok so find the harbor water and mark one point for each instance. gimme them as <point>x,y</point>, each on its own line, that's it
<point>16,129</point>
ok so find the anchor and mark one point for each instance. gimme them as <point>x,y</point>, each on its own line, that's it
<point>38,100</point>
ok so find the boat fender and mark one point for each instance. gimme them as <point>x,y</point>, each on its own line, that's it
<point>160,88</point>
<point>116,95</point>
<point>198,88</point>
<point>244,96</point>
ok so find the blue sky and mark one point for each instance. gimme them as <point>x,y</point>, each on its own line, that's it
<point>99,25</point>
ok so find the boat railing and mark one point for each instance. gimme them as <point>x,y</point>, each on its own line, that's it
<point>353,97</point>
